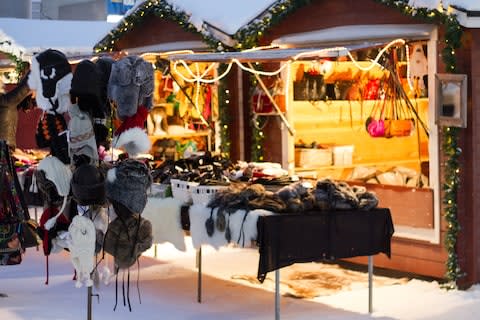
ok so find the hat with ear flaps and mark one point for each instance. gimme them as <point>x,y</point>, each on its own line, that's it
<point>82,137</point>
<point>131,85</point>
<point>131,88</point>
<point>127,183</point>
<point>51,76</point>
<point>85,89</point>
<point>88,185</point>
<point>61,175</point>
<point>104,67</point>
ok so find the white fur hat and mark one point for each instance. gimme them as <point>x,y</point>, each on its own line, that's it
<point>82,248</point>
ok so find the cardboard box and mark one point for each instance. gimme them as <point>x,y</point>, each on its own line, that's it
<point>343,155</point>
<point>313,157</point>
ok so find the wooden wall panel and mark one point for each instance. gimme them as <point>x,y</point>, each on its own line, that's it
<point>322,14</point>
<point>155,30</point>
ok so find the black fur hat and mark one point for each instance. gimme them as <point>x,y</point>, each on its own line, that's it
<point>86,87</point>
<point>104,67</point>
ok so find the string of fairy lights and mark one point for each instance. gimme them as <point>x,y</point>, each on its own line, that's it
<point>249,36</point>
<point>450,135</point>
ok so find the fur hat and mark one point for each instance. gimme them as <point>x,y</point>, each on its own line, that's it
<point>127,238</point>
<point>131,85</point>
<point>82,248</point>
<point>131,134</point>
<point>104,68</point>
<point>127,183</point>
<point>82,138</point>
<point>51,78</point>
<point>86,86</point>
<point>88,185</point>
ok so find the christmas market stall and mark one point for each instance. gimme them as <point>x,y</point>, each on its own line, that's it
<point>330,104</point>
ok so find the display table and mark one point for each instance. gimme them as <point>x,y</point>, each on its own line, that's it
<point>285,239</point>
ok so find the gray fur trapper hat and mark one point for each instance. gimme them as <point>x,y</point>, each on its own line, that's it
<point>127,183</point>
<point>131,85</point>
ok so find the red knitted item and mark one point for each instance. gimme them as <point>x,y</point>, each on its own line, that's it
<point>137,120</point>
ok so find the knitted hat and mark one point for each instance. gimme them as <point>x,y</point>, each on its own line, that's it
<point>131,134</point>
<point>61,175</point>
<point>131,85</point>
<point>57,172</point>
<point>127,183</point>
<point>49,126</point>
<point>86,86</point>
<point>88,185</point>
<point>82,137</point>
<point>51,78</point>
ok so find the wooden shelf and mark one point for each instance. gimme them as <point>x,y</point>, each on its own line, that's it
<point>369,164</point>
<point>183,135</point>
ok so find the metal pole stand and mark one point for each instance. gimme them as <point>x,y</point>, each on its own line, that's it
<point>199,281</point>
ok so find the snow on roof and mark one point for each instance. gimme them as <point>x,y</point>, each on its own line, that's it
<point>226,15</point>
<point>25,37</point>
<point>229,16</point>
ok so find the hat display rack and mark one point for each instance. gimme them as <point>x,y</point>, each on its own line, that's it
<point>73,175</point>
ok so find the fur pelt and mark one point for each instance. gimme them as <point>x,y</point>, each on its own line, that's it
<point>164,214</point>
<point>243,237</point>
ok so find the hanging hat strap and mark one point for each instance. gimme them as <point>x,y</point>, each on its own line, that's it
<point>54,104</point>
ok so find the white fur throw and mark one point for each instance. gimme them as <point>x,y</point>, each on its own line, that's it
<point>200,213</point>
<point>164,214</point>
<point>82,248</point>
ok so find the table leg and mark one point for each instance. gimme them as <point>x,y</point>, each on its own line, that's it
<point>277,294</point>
<point>199,282</point>
<point>370,283</point>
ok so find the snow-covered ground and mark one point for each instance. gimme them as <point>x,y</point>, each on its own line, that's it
<point>168,290</point>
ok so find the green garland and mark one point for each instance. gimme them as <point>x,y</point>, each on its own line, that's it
<point>450,188</point>
<point>453,35</point>
<point>161,9</point>
<point>249,36</point>
<point>20,65</point>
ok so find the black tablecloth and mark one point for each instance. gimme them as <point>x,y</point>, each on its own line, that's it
<point>285,239</point>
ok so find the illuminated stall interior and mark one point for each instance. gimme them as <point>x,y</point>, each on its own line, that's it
<point>182,120</point>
